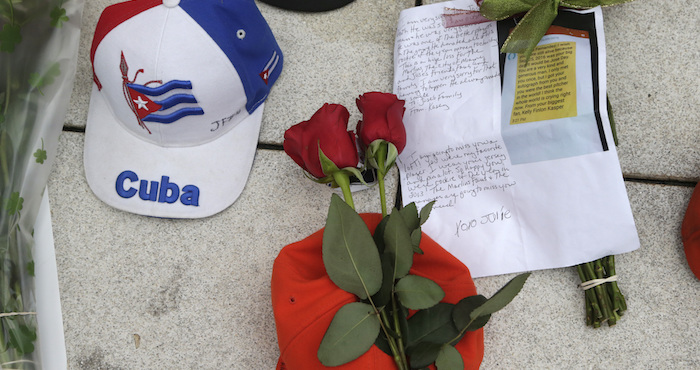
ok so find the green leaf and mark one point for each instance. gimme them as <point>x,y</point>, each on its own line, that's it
<point>449,358</point>
<point>383,344</point>
<point>10,36</point>
<point>433,325</point>
<point>425,212</point>
<point>328,167</point>
<point>40,155</point>
<point>349,254</point>
<point>379,234</point>
<point>413,222</point>
<point>410,216</point>
<point>30,268</point>
<point>418,293</point>
<point>461,315</point>
<point>416,236</point>
<point>14,203</point>
<point>58,16</point>
<point>38,81</point>
<point>373,148</point>
<point>397,241</point>
<point>424,355</point>
<point>383,296</point>
<point>391,155</point>
<point>352,332</point>
<point>21,336</point>
<point>502,297</point>
<point>358,175</point>
<point>35,80</point>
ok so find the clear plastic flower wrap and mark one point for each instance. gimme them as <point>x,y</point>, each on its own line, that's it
<point>38,51</point>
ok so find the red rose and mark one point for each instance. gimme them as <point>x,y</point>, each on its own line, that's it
<point>328,126</point>
<point>382,118</point>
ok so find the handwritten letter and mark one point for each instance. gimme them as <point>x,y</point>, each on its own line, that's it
<point>494,211</point>
<point>439,72</point>
<point>435,63</point>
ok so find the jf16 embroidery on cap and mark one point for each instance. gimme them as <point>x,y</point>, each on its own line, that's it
<point>177,104</point>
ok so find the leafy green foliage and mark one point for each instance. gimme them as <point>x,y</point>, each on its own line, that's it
<point>30,268</point>
<point>327,165</point>
<point>376,268</point>
<point>425,212</point>
<point>27,33</point>
<point>10,36</point>
<point>351,333</point>
<point>14,204</point>
<point>417,293</point>
<point>21,336</point>
<point>461,315</point>
<point>424,355</point>
<point>38,81</point>
<point>349,254</point>
<point>449,359</point>
<point>397,241</point>
<point>432,325</point>
<point>58,16</point>
<point>408,213</point>
<point>502,297</point>
<point>40,154</point>
<point>383,295</point>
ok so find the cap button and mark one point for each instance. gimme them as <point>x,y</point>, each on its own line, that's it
<point>171,3</point>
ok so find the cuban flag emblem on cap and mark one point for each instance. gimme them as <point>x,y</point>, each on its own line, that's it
<point>147,105</point>
<point>177,104</point>
<point>269,67</point>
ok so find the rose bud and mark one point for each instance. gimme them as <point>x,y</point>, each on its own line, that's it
<point>327,128</point>
<point>382,118</point>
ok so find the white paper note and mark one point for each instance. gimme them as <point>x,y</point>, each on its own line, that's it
<point>517,194</point>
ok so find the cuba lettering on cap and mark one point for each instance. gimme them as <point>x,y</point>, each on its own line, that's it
<point>176,105</point>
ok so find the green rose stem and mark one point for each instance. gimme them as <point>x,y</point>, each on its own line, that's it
<point>381,154</point>
<point>397,329</point>
<point>394,343</point>
<point>381,172</point>
<point>593,313</point>
<point>342,179</point>
<point>396,348</point>
<point>604,302</point>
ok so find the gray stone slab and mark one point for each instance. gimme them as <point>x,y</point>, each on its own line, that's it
<point>329,57</point>
<point>76,116</point>
<point>196,292</point>
<point>653,73</point>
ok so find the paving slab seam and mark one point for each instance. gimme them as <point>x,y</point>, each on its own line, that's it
<point>658,181</point>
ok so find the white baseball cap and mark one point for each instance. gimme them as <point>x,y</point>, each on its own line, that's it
<point>177,104</point>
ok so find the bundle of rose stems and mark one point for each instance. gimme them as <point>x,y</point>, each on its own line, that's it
<point>604,301</point>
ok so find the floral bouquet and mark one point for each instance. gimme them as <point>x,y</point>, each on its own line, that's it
<point>38,50</point>
<point>371,290</point>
